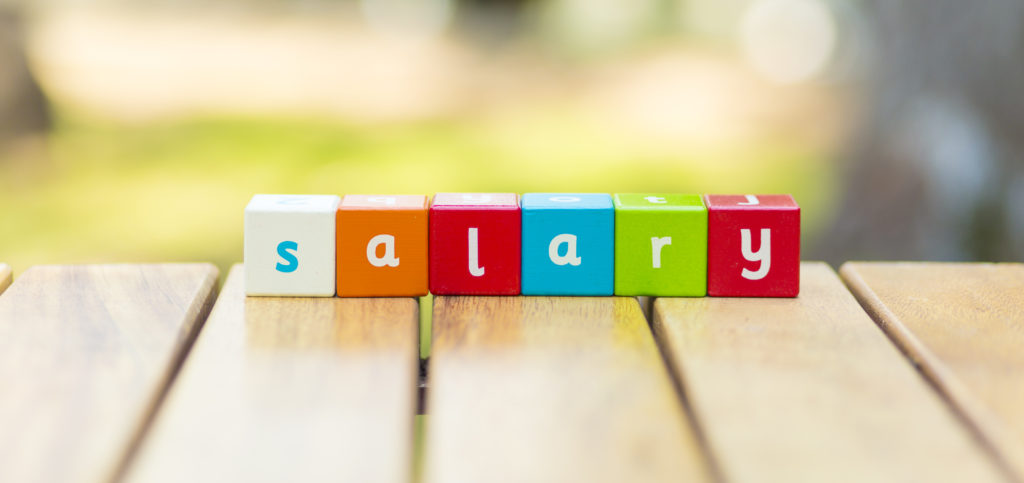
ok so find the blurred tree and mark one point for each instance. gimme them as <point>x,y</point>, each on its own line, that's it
<point>23,107</point>
<point>492,22</point>
<point>936,170</point>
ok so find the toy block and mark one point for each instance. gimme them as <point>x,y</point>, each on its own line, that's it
<point>568,242</point>
<point>753,246</point>
<point>475,244</point>
<point>382,246</point>
<point>661,245</point>
<point>290,244</point>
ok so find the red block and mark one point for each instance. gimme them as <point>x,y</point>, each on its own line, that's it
<point>739,262</point>
<point>475,243</point>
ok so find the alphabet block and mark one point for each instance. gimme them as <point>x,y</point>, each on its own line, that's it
<point>475,244</point>
<point>568,244</point>
<point>661,245</point>
<point>382,246</point>
<point>289,245</point>
<point>754,246</point>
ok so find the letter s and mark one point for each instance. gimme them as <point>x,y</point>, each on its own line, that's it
<point>292,262</point>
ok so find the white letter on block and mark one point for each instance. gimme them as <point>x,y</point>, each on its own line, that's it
<point>751,201</point>
<point>474,255</point>
<point>570,257</point>
<point>763,254</point>
<point>387,200</point>
<point>389,251</point>
<point>656,200</point>
<point>656,246</point>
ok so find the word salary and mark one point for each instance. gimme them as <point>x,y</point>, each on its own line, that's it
<point>590,244</point>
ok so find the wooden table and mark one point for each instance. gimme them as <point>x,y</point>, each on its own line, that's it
<point>889,372</point>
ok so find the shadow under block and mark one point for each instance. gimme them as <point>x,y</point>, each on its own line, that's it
<point>753,246</point>
<point>661,245</point>
<point>382,246</point>
<point>552,389</point>
<point>291,389</point>
<point>5,277</point>
<point>290,241</point>
<point>568,241</point>
<point>963,324</point>
<point>809,389</point>
<point>85,353</point>
<point>475,244</point>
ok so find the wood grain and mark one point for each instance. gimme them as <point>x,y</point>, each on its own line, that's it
<point>539,389</point>
<point>809,389</point>
<point>291,389</point>
<point>86,352</point>
<point>5,277</point>
<point>963,324</point>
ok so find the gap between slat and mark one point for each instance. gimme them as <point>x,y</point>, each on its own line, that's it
<point>931,369</point>
<point>201,309</point>
<point>679,384</point>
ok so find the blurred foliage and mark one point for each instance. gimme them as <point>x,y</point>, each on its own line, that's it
<point>175,190</point>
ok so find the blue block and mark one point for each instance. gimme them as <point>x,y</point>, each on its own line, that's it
<point>552,222</point>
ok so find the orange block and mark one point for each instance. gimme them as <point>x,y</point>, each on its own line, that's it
<point>382,246</point>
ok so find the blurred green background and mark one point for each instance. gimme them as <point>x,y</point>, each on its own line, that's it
<point>138,131</point>
<point>175,190</point>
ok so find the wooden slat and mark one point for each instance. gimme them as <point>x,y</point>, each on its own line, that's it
<point>539,389</point>
<point>291,389</point>
<point>963,324</point>
<point>5,277</point>
<point>85,355</point>
<point>809,389</point>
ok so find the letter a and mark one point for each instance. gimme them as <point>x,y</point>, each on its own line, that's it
<point>474,254</point>
<point>763,254</point>
<point>388,259</point>
<point>656,245</point>
<point>570,257</point>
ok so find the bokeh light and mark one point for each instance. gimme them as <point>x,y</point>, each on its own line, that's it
<point>788,40</point>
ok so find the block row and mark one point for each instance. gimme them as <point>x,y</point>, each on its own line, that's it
<point>537,244</point>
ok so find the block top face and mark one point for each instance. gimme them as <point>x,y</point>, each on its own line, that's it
<point>658,202</point>
<point>293,203</point>
<point>383,202</point>
<point>476,200</point>
<point>751,202</point>
<point>566,201</point>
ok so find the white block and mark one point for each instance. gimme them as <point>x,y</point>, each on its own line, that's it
<point>290,245</point>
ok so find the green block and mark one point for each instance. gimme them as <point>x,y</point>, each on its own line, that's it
<point>661,245</point>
